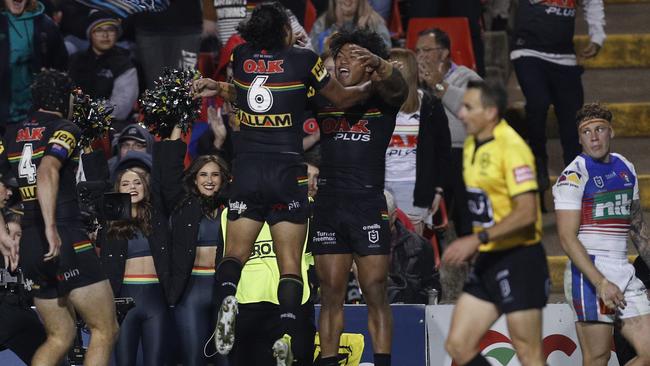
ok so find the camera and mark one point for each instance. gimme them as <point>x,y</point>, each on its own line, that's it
<point>96,203</point>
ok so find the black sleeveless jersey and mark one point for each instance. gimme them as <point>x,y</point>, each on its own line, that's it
<point>26,144</point>
<point>353,146</point>
<point>272,90</point>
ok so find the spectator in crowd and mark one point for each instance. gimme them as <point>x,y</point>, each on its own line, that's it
<point>412,266</point>
<point>30,41</point>
<point>230,13</point>
<point>135,256</point>
<point>419,148</point>
<point>382,7</point>
<point>133,137</point>
<point>448,81</point>
<point>195,201</point>
<point>170,38</point>
<point>470,9</point>
<point>105,70</point>
<point>548,72</point>
<point>72,30</point>
<point>348,13</point>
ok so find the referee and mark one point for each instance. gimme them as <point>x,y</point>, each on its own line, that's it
<point>510,274</point>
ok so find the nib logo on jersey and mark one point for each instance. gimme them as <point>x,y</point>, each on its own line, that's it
<point>612,205</point>
<point>346,130</point>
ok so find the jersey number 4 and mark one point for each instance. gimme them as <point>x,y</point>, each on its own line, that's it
<point>259,97</point>
<point>27,168</point>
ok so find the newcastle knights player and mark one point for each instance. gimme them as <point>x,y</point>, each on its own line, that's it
<point>272,79</point>
<point>350,215</point>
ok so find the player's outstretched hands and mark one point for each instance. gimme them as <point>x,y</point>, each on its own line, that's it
<point>611,295</point>
<point>205,87</point>
<point>367,58</point>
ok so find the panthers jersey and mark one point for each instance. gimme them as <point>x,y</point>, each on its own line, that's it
<point>604,193</point>
<point>495,171</point>
<point>272,90</point>
<point>353,146</point>
<point>45,134</point>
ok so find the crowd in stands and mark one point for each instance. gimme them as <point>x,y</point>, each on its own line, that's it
<point>117,58</point>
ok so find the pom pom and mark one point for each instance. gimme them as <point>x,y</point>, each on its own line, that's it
<point>170,102</point>
<point>92,116</point>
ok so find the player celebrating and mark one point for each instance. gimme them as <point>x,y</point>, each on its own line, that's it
<point>271,82</point>
<point>350,215</point>
<point>510,274</point>
<point>597,205</point>
<point>55,250</point>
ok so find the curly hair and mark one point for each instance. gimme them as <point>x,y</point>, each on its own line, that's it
<point>126,229</point>
<point>189,178</point>
<point>51,91</point>
<point>593,111</point>
<point>365,38</point>
<point>267,27</point>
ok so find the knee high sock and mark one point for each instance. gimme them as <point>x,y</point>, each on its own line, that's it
<point>382,359</point>
<point>227,277</point>
<point>290,297</point>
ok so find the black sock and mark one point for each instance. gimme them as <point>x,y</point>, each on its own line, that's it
<point>328,361</point>
<point>290,298</point>
<point>382,359</point>
<point>478,360</point>
<point>227,277</point>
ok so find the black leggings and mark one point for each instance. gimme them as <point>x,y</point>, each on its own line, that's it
<point>148,322</point>
<point>194,318</point>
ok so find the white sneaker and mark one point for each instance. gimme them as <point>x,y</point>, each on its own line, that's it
<point>225,329</point>
<point>282,351</point>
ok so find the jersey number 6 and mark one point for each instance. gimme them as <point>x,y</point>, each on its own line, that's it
<point>260,98</point>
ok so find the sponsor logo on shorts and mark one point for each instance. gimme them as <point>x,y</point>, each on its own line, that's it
<point>238,206</point>
<point>373,236</point>
<point>324,237</point>
<point>523,174</point>
<point>65,276</point>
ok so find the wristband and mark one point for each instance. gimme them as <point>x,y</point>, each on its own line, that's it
<point>483,237</point>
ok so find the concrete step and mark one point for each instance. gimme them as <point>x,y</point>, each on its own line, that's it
<point>619,50</point>
<point>621,18</point>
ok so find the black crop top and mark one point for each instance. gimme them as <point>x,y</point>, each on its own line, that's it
<point>138,247</point>
<point>209,232</point>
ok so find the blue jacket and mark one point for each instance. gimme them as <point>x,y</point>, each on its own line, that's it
<point>49,52</point>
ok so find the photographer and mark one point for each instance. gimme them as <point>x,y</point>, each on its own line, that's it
<point>20,329</point>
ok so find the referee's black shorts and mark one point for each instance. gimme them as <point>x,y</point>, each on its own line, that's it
<point>513,279</point>
<point>76,266</point>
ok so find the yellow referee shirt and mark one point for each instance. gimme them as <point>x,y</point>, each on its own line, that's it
<point>496,171</point>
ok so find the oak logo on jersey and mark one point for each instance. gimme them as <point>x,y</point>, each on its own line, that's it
<point>264,120</point>
<point>30,134</point>
<point>612,205</point>
<point>65,139</point>
<point>319,71</point>
<point>358,131</point>
<point>569,177</point>
<point>263,67</point>
<point>480,207</point>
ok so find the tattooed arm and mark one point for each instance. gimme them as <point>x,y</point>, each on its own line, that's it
<point>639,232</point>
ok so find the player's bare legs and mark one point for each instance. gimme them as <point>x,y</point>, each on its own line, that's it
<point>373,277</point>
<point>525,328</point>
<point>59,321</point>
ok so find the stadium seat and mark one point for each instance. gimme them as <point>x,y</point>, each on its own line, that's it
<point>462,51</point>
